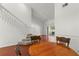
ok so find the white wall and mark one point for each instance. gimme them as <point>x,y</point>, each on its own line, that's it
<point>67,23</point>
<point>39,24</point>
<point>12,33</point>
<point>9,35</point>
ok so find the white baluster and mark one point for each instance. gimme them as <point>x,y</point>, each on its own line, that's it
<point>11,19</point>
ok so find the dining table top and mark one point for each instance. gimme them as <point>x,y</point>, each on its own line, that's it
<point>50,49</point>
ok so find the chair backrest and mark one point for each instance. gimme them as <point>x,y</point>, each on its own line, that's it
<point>63,40</point>
<point>35,38</point>
<point>18,52</point>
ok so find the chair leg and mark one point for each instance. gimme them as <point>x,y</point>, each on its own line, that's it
<point>67,44</point>
<point>18,53</point>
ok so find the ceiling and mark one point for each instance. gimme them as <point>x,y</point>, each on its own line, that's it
<point>43,11</point>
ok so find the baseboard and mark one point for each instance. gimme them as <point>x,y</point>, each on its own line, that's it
<point>7,45</point>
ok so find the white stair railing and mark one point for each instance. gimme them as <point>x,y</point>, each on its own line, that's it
<point>9,18</point>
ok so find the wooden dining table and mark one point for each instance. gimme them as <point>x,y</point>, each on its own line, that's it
<point>50,49</point>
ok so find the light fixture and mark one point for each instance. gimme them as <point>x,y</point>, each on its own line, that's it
<point>65,4</point>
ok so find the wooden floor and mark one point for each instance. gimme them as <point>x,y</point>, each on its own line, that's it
<point>51,49</point>
<point>10,51</point>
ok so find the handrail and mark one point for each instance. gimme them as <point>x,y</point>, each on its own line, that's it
<point>12,15</point>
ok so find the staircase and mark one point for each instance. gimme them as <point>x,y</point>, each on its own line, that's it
<point>11,19</point>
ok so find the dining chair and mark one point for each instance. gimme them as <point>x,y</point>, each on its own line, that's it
<point>18,52</point>
<point>62,40</point>
<point>35,39</point>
